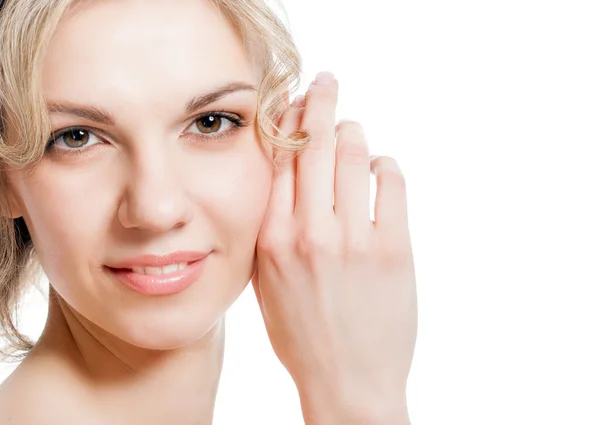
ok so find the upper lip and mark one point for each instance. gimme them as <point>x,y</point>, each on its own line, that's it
<point>149,260</point>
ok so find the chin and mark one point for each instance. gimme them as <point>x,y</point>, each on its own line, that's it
<point>194,316</point>
<point>169,334</point>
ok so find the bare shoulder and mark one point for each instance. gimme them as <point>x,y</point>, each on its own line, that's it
<point>27,397</point>
<point>35,394</point>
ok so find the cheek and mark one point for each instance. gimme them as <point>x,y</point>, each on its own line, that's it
<point>64,216</point>
<point>238,197</point>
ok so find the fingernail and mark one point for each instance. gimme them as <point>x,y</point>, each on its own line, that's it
<point>340,122</point>
<point>324,78</point>
<point>298,100</point>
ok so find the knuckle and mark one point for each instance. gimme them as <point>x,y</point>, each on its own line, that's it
<point>389,258</point>
<point>273,243</point>
<point>354,153</point>
<point>394,254</point>
<point>319,93</point>
<point>317,142</point>
<point>289,120</point>
<point>312,242</point>
<point>329,92</point>
<point>357,245</point>
<point>398,180</point>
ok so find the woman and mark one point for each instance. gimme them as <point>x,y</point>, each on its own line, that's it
<point>142,170</point>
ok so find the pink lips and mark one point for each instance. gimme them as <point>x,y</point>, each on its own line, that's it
<point>165,284</point>
<point>160,260</point>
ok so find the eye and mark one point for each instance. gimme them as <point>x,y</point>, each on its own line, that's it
<point>209,126</point>
<point>214,123</point>
<point>72,139</point>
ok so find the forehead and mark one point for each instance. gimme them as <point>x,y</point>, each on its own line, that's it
<point>142,51</point>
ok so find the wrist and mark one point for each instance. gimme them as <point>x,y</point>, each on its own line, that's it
<point>336,409</point>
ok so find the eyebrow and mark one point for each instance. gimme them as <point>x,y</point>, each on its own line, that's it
<point>101,116</point>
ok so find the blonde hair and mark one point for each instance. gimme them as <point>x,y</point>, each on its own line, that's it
<point>26,27</point>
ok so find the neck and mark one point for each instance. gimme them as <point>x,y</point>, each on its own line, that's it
<point>140,385</point>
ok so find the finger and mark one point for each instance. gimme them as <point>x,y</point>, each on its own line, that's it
<point>352,178</point>
<point>256,286</point>
<point>315,175</point>
<point>391,218</point>
<point>283,186</point>
<point>299,101</point>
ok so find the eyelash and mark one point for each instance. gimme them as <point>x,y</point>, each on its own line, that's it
<point>237,123</point>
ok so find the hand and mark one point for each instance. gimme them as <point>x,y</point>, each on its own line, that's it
<point>336,290</point>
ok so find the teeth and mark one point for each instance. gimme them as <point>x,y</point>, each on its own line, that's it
<point>160,270</point>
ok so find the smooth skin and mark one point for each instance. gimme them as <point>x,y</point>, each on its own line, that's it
<point>337,290</point>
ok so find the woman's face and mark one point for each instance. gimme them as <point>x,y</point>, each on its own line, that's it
<point>151,177</point>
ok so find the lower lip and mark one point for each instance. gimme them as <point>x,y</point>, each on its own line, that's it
<point>166,284</point>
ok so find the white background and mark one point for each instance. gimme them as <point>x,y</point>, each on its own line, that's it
<point>492,110</point>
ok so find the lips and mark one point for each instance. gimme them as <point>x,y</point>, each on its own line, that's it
<point>156,275</point>
<point>160,270</point>
<point>155,281</point>
<point>158,261</point>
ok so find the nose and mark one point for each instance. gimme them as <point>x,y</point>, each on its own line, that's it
<point>155,198</point>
